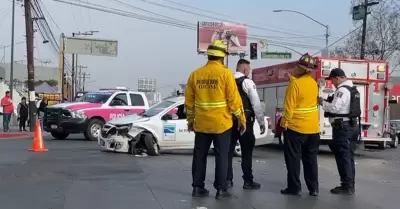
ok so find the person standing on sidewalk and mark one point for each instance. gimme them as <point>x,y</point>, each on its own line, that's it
<point>41,111</point>
<point>253,111</point>
<point>23,113</point>
<point>300,122</point>
<point>211,97</point>
<point>8,109</point>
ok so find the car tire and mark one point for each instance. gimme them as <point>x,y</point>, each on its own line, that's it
<point>395,142</point>
<point>59,135</point>
<point>151,145</point>
<point>382,145</point>
<point>93,129</point>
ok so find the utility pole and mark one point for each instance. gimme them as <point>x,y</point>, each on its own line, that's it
<point>75,59</point>
<point>30,60</point>
<point>360,12</point>
<point>85,75</point>
<point>80,78</point>
<point>12,50</point>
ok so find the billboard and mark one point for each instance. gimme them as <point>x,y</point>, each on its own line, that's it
<point>87,46</point>
<point>147,84</point>
<point>210,31</point>
<point>274,74</point>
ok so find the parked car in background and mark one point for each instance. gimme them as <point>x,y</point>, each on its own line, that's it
<point>92,111</point>
<point>395,133</point>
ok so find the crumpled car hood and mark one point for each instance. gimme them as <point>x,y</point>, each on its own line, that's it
<point>134,118</point>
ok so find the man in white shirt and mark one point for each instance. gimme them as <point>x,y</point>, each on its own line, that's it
<point>253,111</point>
<point>344,128</point>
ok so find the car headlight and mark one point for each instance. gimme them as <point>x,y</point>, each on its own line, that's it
<point>78,114</point>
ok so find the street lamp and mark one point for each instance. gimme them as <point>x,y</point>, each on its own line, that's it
<point>316,21</point>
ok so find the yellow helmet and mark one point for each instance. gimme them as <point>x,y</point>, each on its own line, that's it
<point>217,49</point>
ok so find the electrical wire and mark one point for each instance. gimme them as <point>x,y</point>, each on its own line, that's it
<point>46,31</point>
<point>216,18</point>
<point>3,18</point>
<point>173,23</point>
<point>340,39</point>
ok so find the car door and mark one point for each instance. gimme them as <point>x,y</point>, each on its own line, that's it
<point>175,131</point>
<point>118,106</point>
<point>137,103</point>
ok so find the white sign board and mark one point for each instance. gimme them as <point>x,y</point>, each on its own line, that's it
<point>86,46</point>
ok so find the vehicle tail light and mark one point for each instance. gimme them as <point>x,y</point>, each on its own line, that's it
<point>375,107</point>
<point>269,123</point>
<point>328,84</point>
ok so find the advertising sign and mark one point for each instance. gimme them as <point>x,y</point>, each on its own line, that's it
<point>274,74</point>
<point>87,46</point>
<point>210,31</point>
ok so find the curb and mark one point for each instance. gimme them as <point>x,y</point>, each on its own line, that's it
<point>23,136</point>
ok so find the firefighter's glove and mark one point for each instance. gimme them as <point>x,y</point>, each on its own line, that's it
<point>262,129</point>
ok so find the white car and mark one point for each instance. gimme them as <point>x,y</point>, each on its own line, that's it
<point>161,127</point>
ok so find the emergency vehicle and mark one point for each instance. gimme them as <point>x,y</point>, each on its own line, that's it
<point>92,111</point>
<point>369,76</point>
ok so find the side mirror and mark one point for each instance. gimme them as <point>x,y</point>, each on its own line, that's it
<point>166,117</point>
<point>116,103</point>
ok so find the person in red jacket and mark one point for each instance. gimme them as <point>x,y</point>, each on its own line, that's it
<point>8,109</point>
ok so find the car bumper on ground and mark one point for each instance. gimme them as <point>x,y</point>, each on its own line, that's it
<point>72,126</point>
<point>114,143</point>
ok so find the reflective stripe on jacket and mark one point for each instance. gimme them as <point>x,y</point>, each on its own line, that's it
<point>300,112</point>
<point>211,97</point>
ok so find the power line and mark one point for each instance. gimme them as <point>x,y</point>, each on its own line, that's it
<point>213,17</point>
<point>340,39</point>
<point>172,23</point>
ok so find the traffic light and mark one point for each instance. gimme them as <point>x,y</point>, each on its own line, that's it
<point>253,51</point>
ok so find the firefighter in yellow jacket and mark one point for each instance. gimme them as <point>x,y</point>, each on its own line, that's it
<point>300,121</point>
<point>211,100</point>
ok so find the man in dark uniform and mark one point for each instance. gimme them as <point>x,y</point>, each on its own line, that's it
<point>253,110</point>
<point>345,131</point>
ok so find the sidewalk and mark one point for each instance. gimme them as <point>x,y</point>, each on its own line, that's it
<point>14,133</point>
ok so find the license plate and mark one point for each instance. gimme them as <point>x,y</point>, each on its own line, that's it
<point>54,126</point>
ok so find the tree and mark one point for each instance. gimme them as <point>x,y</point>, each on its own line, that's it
<point>383,34</point>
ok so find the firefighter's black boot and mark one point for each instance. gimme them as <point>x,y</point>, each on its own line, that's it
<point>251,185</point>
<point>200,192</point>
<point>223,194</point>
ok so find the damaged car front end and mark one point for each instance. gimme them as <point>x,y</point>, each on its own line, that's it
<point>119,138</point>
<point>128,138</point>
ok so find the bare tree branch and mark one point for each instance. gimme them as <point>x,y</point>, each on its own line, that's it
<point>383,34</point>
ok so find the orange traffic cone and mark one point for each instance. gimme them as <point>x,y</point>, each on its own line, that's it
<point>37,145</point>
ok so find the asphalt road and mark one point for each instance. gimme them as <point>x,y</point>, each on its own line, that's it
<point>75,174</point>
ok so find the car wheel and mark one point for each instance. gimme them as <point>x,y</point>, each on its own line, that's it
<point>59,135</point>
<point>238,150</point>
<point>395,142</point>
<point>151,145</point>
<point>382,145</point>
<point>93,129</point>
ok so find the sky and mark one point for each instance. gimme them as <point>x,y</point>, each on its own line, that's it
<point>167,53</point>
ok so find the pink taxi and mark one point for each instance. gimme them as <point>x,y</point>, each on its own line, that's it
<point>92,111</point>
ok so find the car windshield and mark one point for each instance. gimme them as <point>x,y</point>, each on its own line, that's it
<point>96,97</point>
<point>157,108</point>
